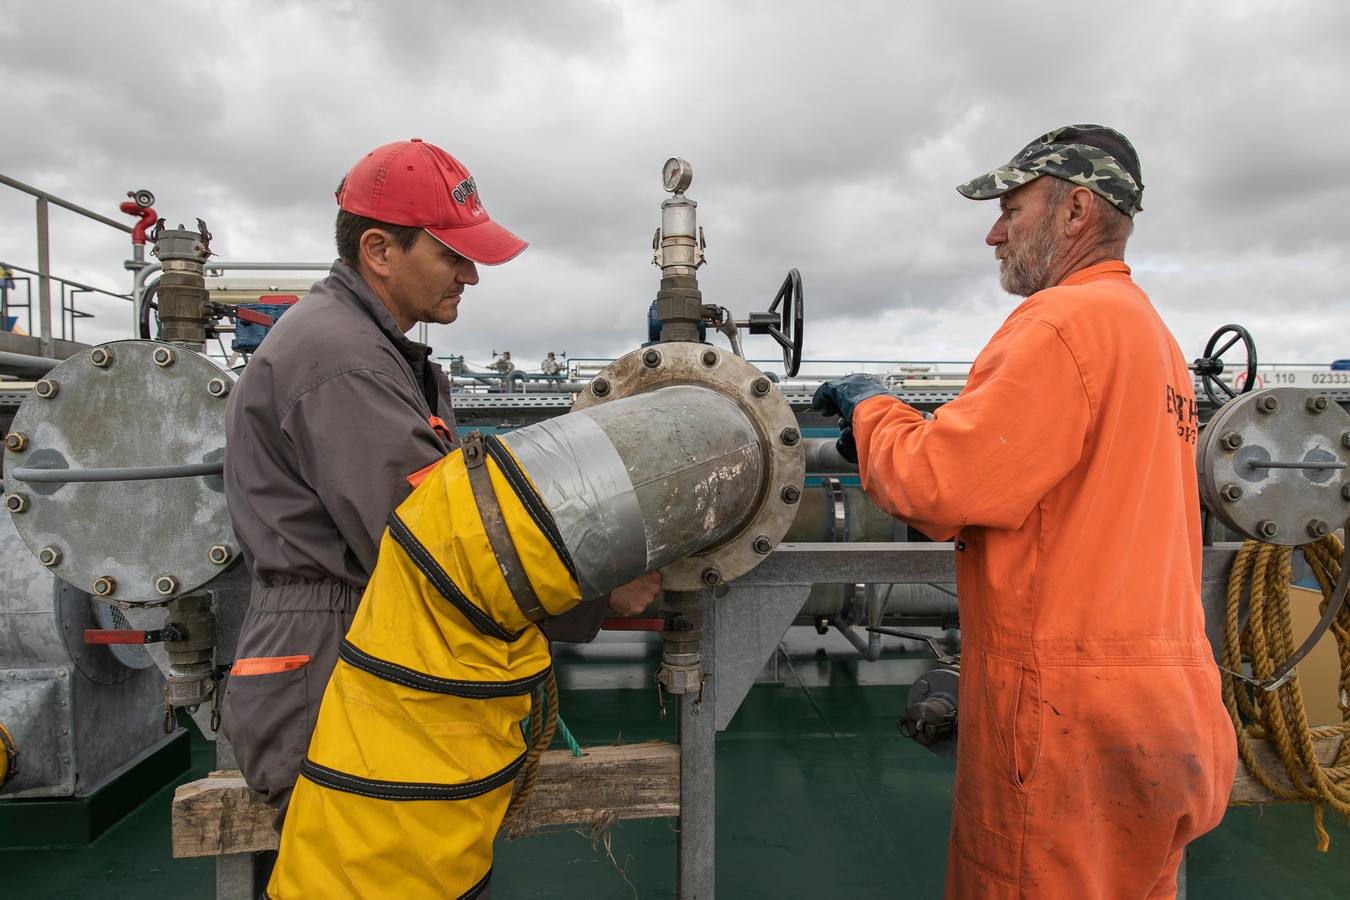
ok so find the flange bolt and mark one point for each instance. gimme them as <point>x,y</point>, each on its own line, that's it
<point>791,494</point>
<point>1230,440</point>
<point>104,585</point>
<point>790,435</point>
<point>219,554</point>
<point>1267,528</point>
<point>46,389</point>
<point>1318,528</point>
<point>600,387</point>
<point>218,387</point>
<point>1317,404</point>
<point>760,386</point>
<point>652,358</point>
<point>1345,492</point>
<point>712,577</point>
<point>17,503</point>
<point>101,357</point>
<point>1267,404</point>
<point>1231,492</point>
<point>709,358</point>
<point>50,556</point>
<point>763,544</point>
<point>16,441</point>
<point>164,357</point>
<point>166,585</point>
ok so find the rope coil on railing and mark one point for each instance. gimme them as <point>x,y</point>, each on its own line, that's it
<point>1263,572</point>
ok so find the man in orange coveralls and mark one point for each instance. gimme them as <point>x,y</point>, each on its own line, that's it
<point>1093,744</point>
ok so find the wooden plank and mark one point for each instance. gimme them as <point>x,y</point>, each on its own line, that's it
<point>220,814</point>
<point>608,784</point>
<point>1246,789</point>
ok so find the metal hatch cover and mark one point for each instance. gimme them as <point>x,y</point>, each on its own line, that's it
<point>126,405</point>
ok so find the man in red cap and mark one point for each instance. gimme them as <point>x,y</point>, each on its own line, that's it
<point>333,412</point>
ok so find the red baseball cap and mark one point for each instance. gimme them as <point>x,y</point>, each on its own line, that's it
<point>416,183</point>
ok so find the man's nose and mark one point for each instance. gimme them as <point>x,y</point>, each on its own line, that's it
<point>997,235</point>
<point>468,274</point>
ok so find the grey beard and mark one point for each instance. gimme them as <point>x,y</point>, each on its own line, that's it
<point>1027,270</point>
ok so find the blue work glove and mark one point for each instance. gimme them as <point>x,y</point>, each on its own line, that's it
<point>846,445</point>
<point>841,396</point>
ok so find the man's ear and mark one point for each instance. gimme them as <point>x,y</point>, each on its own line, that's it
<point>375,248</point>
<point>1079,205</point>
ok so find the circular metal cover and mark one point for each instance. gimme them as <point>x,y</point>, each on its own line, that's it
<point>784,464</point>
<point>1272,467</point>
<point>122,408</point>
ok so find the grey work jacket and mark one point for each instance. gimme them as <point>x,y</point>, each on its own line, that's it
<point>327,421</point>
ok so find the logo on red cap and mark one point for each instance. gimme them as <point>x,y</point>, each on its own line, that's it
<point>418,184</point>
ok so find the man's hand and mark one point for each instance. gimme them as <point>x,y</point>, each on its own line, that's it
<point>636,595</point>
<point>841,396</point>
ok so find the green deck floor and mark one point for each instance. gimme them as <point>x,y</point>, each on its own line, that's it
<point>818,796</point>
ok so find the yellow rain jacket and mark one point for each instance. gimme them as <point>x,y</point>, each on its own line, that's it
<point>419,736</point>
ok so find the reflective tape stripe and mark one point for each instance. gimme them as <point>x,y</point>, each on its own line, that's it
<point>433,572</point>
<point>474,690</point>
<point>408,790</point>
<point>266,665</point>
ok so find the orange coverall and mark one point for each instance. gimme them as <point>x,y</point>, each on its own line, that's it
<point>1093,743</point>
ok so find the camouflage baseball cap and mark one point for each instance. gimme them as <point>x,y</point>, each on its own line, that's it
<point>1097,157</point>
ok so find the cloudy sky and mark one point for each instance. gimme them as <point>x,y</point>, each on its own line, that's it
<point>825,136</point>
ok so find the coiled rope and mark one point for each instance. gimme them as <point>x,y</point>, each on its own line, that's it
<point>539,725</point>
<point>1263,572</point>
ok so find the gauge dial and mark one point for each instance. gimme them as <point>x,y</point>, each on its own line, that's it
<point>676,174</point>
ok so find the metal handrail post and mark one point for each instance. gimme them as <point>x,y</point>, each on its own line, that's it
<point>44,281</point>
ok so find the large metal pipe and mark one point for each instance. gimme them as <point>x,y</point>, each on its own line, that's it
<point>683,459</point>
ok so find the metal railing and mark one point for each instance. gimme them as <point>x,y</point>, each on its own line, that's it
<point>43,274</point>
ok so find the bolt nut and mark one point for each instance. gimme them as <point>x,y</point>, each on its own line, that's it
<point>46,389</point>
<point>17,503</point>
<point>600,387</point>
<point>652,358</point>
<point>1316,404</point>
<point>1345,439</point>
<point>760,386</point>
<point>1267,528</point>
<point>712,577</point>
<point>1345,492</point>
<point>763,544</point>
<point>1267,404</point>
<point>219,554</point>
<point>50,556</point>
<point>164,357</point>
<point>101,357</point>
<point>105,585</point>
<point>1231,492</point>
<point>17,441</point>
<point>166,585</point>
<point>1317,528</point>
<point>1230,440</point>
<point>790,435</point>
<point>217,387</point>
<point>791,494</point>
<point>709,358</point>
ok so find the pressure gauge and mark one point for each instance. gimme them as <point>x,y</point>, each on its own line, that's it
<point>677,174</point>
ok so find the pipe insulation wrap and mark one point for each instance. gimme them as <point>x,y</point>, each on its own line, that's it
<point>586,487</point>
<point>681,466</point>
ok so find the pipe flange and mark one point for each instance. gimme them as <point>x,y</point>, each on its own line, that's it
<point>1273,465</point>
<point>701,365</point>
